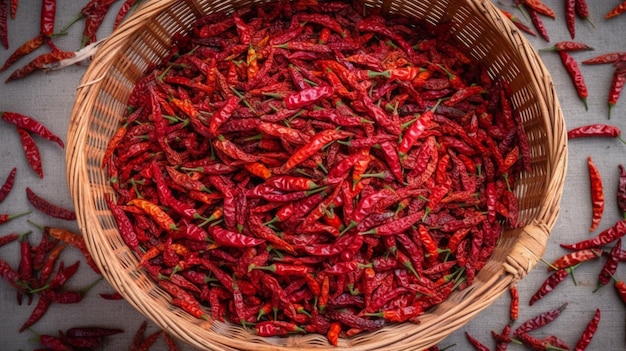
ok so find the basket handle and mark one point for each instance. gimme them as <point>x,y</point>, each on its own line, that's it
<point>528,249</point>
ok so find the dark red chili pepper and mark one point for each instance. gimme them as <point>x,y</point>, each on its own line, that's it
<point>48,12</point>
<point>514,305</point>
<point>124,225</point>
<point>617,84</point>
<point>597,194</point>
<point>610,266</point>
<point>549,284</point>
<point>589,332</point>
<point>538,23</point>
<point>478,346</point>
<point>33,156</point>
<point>621,190</point>
<point>570,17</point>
<point>31,125</point>
<point>122,12</point>
<point>8,184</point>
<point>516,21</point>
<point>4,26</point>
<point>539,320</point>
<point>40,309</point>
<point>582,10</point>
<point>576,75</point>
<point>48,208</point>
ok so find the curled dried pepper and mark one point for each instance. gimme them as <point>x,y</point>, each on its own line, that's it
<point>617,84</point>
<point>8,184</point>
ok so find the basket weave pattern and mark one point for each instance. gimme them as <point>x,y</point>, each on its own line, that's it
<point>478,26</point>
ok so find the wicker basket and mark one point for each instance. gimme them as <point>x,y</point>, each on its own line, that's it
<point>479,27</point>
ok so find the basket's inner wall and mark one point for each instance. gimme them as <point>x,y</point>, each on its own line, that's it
<point>148,44</point>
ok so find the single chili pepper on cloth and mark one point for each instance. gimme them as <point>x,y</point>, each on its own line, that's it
<point>597,194</point>
<point>539,320</point>
<point>595,130</point>
<point>41,62</point>
<point>582,10</point>
<point>621,190</point>
<point>25,49</point>
<point>48,13</point>
<point>8,184</point>
<point>610,266</point>
<point>573,258</point>
<point>589,332</point>
<point>538,23</point>
<point>549,284</point>
<point>478,346</point>
<point>570,17</point>
<point>616,11</point>
<point>568,46</point>
<point>516,21</point>
<point>48,208</point>
<point>514,305</point>
<point>30,124</point>
<point>576,75</point>
<point>33,156</point>
<point>608,235</point>
<point>4,26</point>
<point>617,84</point>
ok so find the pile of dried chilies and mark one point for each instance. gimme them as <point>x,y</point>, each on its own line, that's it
<point>315,167</point>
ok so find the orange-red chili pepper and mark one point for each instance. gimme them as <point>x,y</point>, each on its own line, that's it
<point>160,216</point>
<point>597,194</point>
<point>616,11</point>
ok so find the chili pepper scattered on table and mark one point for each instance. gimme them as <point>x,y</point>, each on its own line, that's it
<point>616,11</point>
<point>597,194</point>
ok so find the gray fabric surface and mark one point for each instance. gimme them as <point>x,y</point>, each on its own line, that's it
<point>49,98</point>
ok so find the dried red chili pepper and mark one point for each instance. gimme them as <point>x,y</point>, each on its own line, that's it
<point>31,125</point>
<point>538,23</point>
<point>568,46</point>
<point>608,235</point>
<point>48,12</point>
<point>610,266</point>
<point>573,258</point>
<point>617,84</point>
<point>33,156</point>
<point>122,12</point>
<point>514,305</point>
<point>25,49</point>
<point>595,130</point>
<point>621,190</point>
<point>48,208</point>
<point>597,194</point>
<point>582,10</point>
<point>576,75</point>
<point>616,11</point>
<point>475,342</point>
<point>539,320</point>
<point>570,17</point>
<point>8,184</point>
<point>549,284</point>
<point>589,332</point>
<point>4,27</point>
